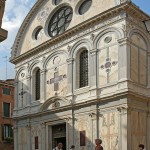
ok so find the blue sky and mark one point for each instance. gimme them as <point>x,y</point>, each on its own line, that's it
<point>15,12</point>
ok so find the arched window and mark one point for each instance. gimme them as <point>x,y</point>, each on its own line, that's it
<point>83,69</point>
<point>37,84</point>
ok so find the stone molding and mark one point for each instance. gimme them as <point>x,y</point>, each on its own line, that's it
<point>129,7</point>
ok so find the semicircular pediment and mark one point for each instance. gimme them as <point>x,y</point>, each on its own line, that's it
<point>53,103</point>
<point>34,31</point>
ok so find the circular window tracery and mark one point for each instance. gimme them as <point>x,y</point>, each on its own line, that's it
<point>84,7</point>
<point>60,21</point>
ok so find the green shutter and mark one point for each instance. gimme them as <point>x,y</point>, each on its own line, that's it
<point>2,132</point>
<point>6,109</point>
<point>6,91</point>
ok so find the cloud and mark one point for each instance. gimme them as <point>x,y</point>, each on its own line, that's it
<point>15,12</point>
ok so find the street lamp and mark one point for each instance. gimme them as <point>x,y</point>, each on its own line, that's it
<point>147,25</point>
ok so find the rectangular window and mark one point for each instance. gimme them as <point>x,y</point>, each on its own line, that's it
<point>82,138</point>
<point>6,109</point>
<point>36,143</point>
<point>6,131</point>
<point>6,91</point>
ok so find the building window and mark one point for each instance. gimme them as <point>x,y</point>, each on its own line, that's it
<point>37,84</point>
<point>84,7</point>
<point>6,131</point>
<point>6,109</point>
<point>36,142</point>
<point>84,68</point>
<point>60,21</point>
<point>6,91</point>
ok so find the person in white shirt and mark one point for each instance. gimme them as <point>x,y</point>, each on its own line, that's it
<point>58,147</point>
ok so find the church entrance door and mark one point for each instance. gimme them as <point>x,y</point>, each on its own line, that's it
<point>59,135</point>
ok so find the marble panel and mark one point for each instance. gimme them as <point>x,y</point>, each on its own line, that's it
<point>109,130</point>
<point>143,67</point>
<point>139,41</point>
<point>138,128</point>
<point>82,124</point>
<point>134,63</point>
<point>22,141</point>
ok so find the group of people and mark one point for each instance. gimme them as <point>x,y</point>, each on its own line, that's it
<point>98,146</point>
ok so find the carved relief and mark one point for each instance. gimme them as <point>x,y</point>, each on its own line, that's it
<point>109,130</point>
<point>108,59</point>
<point>43,14</point>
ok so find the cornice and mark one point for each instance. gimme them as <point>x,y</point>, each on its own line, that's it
<point>118,96</point>
<point>25,24</point>
<point>127,7</point>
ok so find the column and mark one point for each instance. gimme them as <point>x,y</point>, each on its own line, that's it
<point>16,95</point>
<point>69,132</point>
<point>148,131</point>
<point>43,85</point>
<point>125,128</point>
<point>93,72</point>
<point>43,125</point>
<point>124,59</point>
<point>15,137</point>
<point>29,142</point>
<point>70,77</point>
<point>148,69</point>
<point>28,90</point>
<point>93,124</point>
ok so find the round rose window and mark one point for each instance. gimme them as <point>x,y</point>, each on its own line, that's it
<point>60,21</point>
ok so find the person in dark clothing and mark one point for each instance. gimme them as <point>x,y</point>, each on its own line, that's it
<point>98,143</point>
<point>141,147</point>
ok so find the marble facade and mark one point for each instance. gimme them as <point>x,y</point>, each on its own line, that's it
<point>115,106</point>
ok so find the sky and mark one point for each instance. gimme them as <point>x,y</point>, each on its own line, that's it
<point>15,12</point>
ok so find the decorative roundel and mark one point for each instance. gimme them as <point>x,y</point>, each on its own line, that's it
<point>38,33</point>
<point>43,14</point>
<point>60,21</point>
<point>84,7</point>
<point>108,39</point>
<point>56,2</point>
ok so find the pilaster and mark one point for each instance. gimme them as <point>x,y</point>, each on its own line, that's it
<point>28,78</point>
<point>16,95</point>
<point>148,130</point>
<point>93,72</point>
<point>43,126</point>
<point>149,69</point>
<point>15,129</point>
<point>29,143</point>
<point>70,76</point>
<point>124,59</point>
<point>125,128</point>
<point>43,83</point>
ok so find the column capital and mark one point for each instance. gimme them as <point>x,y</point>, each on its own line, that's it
<point>43,125</point>
<point>93,115</point>
<point>93,51</point>
<point>124,41</point>
<point>69,119</point>
<point>28,77</point>
<point>123,109</point>
<point>28,127</point>
<point>43,70</point>
<point>70,60</point>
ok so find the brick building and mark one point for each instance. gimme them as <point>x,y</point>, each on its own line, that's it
<point>6,110</point>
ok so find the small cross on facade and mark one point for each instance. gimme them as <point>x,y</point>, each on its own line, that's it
<point>22,93</point>
<point>56,80</point>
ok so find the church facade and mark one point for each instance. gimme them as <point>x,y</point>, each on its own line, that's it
<point>82,72</point>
